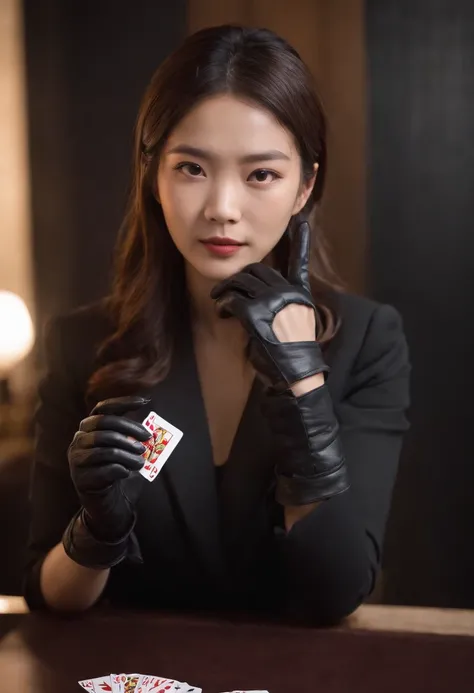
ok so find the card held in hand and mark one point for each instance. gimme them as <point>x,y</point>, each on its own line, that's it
<point>160,446</point>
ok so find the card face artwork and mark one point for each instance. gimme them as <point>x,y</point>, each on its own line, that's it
<point>156,684</point>
<point>159,447</point>
<point>118,682</point>
<point>141,683</point>
<point>131,683</point>
<point>98,685</point>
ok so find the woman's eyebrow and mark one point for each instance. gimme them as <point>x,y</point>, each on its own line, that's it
<point>271,155</point>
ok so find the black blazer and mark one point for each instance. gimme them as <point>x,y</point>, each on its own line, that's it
<point>210,542</point>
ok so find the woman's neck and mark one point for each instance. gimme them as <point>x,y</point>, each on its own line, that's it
<point>204,316</point>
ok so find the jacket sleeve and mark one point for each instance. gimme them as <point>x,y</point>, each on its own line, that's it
<point>52,499</point>
<point>331,557</point>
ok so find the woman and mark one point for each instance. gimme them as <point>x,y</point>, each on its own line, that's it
<point>290,394</point>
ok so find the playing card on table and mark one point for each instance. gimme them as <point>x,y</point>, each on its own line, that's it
<point>155,684</point>
<point>158,684</point>
<point>182,687</point>
<point>118,682</point>
<point>158,448</point>
<point>142,683</point>
<point>102,683</point>
<point>131,683</point>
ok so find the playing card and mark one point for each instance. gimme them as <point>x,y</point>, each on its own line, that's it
<point>184,688</point>
<point>98,685</point>
<point>118,682</point>
<point>131,682</point>
<point>156,684</point>
<point>158,448</point>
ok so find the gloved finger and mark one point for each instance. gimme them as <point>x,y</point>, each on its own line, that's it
<point>232,305</point>
<point>247,285</point>
<point>101,477</point>
<point>269,276</point>
<point>111,439</point>
<point>119,405</point>
<point>96,457</point>
<point>119,424</point>
<point>298,265</point>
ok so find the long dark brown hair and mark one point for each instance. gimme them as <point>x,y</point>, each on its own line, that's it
<point>148,292</point>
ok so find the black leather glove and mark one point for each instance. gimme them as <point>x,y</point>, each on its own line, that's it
<point>311,466</point>
<point>255,296</point>
<point>104,460</point>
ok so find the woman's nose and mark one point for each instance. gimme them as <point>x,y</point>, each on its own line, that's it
<point>222,205</point>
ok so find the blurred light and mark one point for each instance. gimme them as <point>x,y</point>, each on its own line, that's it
<point>13,605</point>
<point>16,331</point>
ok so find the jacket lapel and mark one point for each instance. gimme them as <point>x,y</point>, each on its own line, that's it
<point>188,476</point>
<point>222,529</point>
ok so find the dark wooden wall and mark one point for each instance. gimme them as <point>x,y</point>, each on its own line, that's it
<point>421,211</point>
<point>87,66</point>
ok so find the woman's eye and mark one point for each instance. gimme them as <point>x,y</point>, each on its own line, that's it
<point>261,176</point>
<point>193,170</point>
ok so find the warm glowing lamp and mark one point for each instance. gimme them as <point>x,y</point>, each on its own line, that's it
<point>16,337</point>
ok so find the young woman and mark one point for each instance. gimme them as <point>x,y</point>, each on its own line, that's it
<point>290,394</point>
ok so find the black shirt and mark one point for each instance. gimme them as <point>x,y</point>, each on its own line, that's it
<point>214,537</point>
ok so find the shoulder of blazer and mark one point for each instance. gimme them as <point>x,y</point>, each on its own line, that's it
<point>366,326</point>
<point>352,308</point>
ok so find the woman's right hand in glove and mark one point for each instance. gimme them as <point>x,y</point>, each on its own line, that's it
<point>104,461</point>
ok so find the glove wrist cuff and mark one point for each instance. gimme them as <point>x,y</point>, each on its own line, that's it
<point>296,490</point>
<point>310,466</point>
<point>83,548</point>
<point>282,364</point>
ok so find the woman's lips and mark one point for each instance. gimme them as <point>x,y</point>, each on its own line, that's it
<point>222,247</point>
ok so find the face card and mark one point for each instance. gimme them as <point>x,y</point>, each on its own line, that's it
<point>99,685</point>
<point>165,438</point>
<point>131,682</point>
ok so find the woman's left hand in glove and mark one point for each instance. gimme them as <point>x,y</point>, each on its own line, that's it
<point>279,316</point>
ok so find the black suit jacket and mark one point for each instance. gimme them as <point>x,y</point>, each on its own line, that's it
<point>208,542</point>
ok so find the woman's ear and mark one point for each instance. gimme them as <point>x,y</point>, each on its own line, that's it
<point>305,192</point>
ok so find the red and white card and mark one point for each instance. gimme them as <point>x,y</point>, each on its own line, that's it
<point>98,685</point>
<point>136,683</point>
<point>142,683</point>
<point>158,448</point>
<point>156,684</point>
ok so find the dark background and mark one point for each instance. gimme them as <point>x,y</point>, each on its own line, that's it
<point>421,211</point>
<point>88,64</point>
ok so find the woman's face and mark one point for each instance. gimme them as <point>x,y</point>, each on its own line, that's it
<point>229,180</point>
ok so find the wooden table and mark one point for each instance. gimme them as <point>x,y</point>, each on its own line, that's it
<point>379,649</point>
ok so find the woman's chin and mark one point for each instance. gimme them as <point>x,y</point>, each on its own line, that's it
<point>218,270</point>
